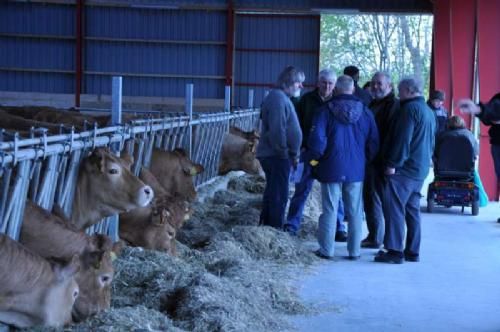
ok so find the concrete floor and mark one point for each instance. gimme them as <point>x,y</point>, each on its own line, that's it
<point>455,286</point>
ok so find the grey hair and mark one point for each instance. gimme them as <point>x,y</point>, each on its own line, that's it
<point>289,76</point>
<point>384,74</point>
<point>413,84</point>
<point>344,84</point>
<point>326,74</point>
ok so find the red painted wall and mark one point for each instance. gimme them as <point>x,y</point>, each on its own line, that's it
<point>455,22</point>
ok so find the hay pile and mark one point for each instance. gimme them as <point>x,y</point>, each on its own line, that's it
<point>230,273</point>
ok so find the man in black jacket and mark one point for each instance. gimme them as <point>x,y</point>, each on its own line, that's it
<point>406,162</point>
<point>489,114</point>
<point>384,106</point>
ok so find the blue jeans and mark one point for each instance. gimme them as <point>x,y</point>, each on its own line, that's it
<point>352,194</point>
<point>298,201</point>
<point>275,195</point>
<point>402,205</point>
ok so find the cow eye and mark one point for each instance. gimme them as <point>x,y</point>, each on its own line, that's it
<point>113,171</point>
<point>75,294</point>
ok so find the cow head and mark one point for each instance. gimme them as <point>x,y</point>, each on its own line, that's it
<point>183,186</point>
<point>61,294</point>
<point>94,279</point>
<point>111,182</point>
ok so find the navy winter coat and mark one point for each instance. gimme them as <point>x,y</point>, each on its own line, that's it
<point>343,138</point>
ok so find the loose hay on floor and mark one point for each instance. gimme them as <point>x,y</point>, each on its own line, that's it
<point>230,273</point>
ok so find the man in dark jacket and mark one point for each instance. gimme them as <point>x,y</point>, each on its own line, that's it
<point>406,159</point>
<point>362,94</point>
<point>279,145</point>
<point>343,138</point>
<point>384,106</point>
<point>489,114</point>
<point>306,107</point>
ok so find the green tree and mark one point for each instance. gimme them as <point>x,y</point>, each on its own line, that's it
<point>398,44</point>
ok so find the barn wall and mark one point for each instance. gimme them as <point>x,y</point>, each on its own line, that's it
<point>160,46</point>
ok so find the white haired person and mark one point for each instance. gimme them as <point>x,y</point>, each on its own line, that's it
<point>279,144</point>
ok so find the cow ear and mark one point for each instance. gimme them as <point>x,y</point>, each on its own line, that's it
<point>252,147</point>
<point>97,158</point>
<point>180,152</point>
<point>193,169</point>
<point>64,272</point>
<point>100,242</point>
<point>118,247</point>
<point>255,134</point>
<point>92,259</point>
<point>127,158</point>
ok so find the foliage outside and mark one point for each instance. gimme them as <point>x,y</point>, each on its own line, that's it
<point>398,44</point>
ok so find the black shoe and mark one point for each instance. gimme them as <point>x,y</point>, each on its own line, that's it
<point>320,255</point>
<point>366,243</point>
<point>388,257</point>
<point>340,237</point>
<point>412,257</point>
<point>352,258</point>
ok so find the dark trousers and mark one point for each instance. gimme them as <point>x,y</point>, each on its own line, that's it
<point>401,202</point>
<point>298,201</point>
<point>276,192</point>
<point>372,200</point>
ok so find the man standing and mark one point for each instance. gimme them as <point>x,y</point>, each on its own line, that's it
<point>436,101</point>
<point>384,105</point>
<point>306,107</point>
<point>407,159</point>
<point>343,137</point>
<point>362,94</point>
<point>279,144</point>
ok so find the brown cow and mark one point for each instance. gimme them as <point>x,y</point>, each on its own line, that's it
<point>32,291</point>
<point>23,126</point>
<point>175,171</point>
<point>51,237</point>
<point>106,186</point>
<point>154,226</point>
<point>54,116</point>
<point>238,152</point>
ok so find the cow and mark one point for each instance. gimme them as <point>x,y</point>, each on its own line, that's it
<point>175,171</point>
<point>23,126</point>
<point>106,186</point>
<point>69,117</point>
<point>50,236</point>
<point>238,152</point>
<point>32,290</point>
<point>155,226</point>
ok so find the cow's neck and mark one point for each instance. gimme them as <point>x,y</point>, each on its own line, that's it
<point>86,209</point>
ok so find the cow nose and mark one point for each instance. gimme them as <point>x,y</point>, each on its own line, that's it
<point>146,194</point>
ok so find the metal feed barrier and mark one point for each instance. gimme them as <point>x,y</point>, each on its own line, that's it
<point>44,168</point>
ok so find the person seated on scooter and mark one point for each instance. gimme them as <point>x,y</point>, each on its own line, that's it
<point>455,128</point>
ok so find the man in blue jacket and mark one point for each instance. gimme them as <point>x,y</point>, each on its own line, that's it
<point>279,144</point>
<point>343,138</point>
<point>406,159</point>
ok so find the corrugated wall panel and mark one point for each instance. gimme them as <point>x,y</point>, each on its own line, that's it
<point>265,44</point>
<point>40,19</point>
<point>156,42</point>
<point>157,87</point>
<point>20,48</point>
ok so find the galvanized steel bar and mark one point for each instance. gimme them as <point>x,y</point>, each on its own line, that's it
<point>189,113</point>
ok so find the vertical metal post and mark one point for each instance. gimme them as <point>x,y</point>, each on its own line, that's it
<point>227,99</point>
<point>250,98</point>
<point>189,113</point>
<point>116,100</point>
<point>116,118</point>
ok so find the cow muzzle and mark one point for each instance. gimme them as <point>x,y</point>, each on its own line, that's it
<point>144,196</point>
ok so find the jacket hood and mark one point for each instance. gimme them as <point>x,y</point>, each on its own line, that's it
<point>346,108</point>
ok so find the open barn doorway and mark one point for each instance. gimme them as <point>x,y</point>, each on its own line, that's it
<point>398,44</point>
